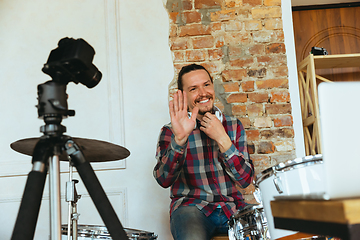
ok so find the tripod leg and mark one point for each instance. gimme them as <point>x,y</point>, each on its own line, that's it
<point>55,205</point>
<point>96,192</point>
<point>25,224</point>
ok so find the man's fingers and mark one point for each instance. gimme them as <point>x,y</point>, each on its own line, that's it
<point>176,103</point>
<point>181,100</point>
<point>171,109</point>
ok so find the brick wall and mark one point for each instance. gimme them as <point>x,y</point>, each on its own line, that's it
<point>241,42</point>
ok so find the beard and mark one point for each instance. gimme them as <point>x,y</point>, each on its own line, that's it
<point>212,111</point>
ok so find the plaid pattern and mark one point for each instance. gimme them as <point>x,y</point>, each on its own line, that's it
<point>199,174</point>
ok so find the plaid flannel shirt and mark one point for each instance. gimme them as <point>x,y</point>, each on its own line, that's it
<point>199,174</point>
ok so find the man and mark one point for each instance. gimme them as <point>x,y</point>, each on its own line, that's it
<point>202,154</point>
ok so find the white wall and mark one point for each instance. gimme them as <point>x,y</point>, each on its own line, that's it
<point>128,107</point>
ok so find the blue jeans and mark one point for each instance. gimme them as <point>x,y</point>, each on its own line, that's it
<point>189,223</point>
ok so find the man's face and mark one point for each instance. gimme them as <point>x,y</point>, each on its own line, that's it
<point>200,90</point>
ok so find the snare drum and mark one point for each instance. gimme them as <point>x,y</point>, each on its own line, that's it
<point>300,176</point>
<point>249,223</point>
<point>90,232</point>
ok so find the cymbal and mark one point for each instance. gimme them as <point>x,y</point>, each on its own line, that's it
<point>94,150</point>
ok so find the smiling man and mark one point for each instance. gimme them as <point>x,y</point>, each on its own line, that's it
<point>201,155</point>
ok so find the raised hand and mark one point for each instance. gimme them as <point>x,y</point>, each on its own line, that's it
<point>182,125</point>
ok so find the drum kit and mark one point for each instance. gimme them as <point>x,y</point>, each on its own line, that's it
<point>299,176</point>
<point>70,62</point>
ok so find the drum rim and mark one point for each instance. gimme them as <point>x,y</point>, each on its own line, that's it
<point>286,166</point>
<point>104,232</point>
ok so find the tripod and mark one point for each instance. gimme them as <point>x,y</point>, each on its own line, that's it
<point>46,157</point>
<point>71,61</point>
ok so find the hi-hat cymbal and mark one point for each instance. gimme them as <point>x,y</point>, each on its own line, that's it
<point>94,150</point>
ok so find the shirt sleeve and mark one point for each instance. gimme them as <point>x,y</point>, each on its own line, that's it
<point>236,159</point>
<point>170,158</point>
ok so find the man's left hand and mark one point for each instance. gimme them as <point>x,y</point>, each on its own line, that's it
<point>212,127</point>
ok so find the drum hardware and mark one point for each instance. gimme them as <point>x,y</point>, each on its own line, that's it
<point>249,223</point>
<point>71,61</point>
<point>90,232</point>
<point>294,177</point>
<point>277,183</point>
<point>72,197</point>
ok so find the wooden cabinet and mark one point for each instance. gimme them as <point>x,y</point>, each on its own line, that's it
<point>308,81</point>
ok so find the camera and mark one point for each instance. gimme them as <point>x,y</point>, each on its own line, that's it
<point>72,61</point>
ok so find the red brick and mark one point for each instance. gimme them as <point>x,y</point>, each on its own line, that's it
<point>275,48</point>
<point>173,17</point>
<point>277,133</point>
<point>257,73</point>
<point>191,17</point>
<point>243,13</point>
<point>272,83</point>
<point>215,26</point>
<point>237,98</point>
<point>212,67</point>
<point>274,60</point>
<point>283,121</point>
<point>194,30</point>
<point>179,5</point>
<point>231,86</point>
<point>261,162</point>
<point>186,4</point>
<point>266,148</point>
<point>251,147</point>
<point>195,55</point>
<point>272,2</point>
<point>239,110</point>
<point>234,75</point>
<point>179,56</point>
<point>233,26</point>
<point>179,43</point>
<point>256,49</point>
<point>278,108</point>
<point>173,31</point>
<point>207,3</point>
<point>252,135</point>
<point>223,15</point>
<point>253,25</point>
<point>273,24</point>
<point>258,97</point>
<point>272,12</point>
<point>281,96</point>
<point>215,54</point>
<point>247,86</point>
<point>245,122</point>
<point>242,62</point>
<point>253,2</point>
<point>236,51</point>
<point>255,110</point>
<point>235,38</point>
<point>277,72</point>
<point>203,42</point>
<point>219,42</point>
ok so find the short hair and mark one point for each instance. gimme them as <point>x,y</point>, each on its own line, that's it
<point>187,69</point>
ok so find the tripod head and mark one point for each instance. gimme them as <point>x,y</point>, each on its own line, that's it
<point>71,61</point>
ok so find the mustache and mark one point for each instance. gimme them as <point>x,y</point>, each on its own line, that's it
<point>198,99</point>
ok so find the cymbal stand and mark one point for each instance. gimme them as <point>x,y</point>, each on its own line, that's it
<point>72,197</point>
<point>46,155</point>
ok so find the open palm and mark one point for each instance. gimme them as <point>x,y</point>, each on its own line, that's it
<point>182,125</point>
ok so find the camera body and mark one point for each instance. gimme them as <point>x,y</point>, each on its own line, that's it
<point>72,61</point>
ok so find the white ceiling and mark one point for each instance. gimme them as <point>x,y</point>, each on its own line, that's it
<point>317,2</point>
